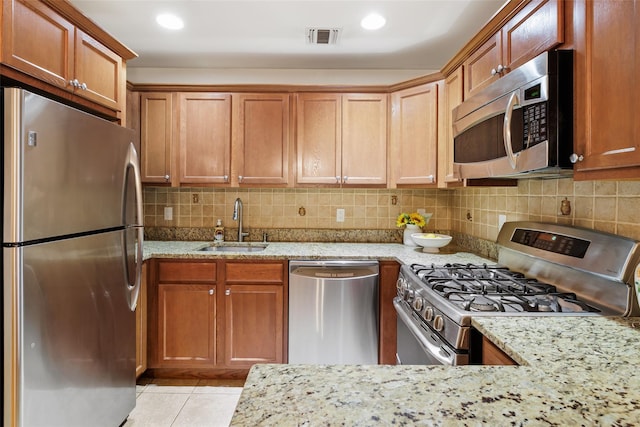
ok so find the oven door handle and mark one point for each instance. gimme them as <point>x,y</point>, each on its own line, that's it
<point>432,348</point>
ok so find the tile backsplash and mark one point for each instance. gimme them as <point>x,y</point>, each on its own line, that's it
<point>294,208</point>
<point>610,206</point>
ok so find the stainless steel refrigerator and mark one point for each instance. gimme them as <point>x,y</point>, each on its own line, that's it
<point>72,257</point>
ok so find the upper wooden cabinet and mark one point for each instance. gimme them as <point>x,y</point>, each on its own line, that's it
<point>452,96</point>
<point>185,137</point>
<point>536,27</point>
<point>414,135</point>
<point>42,43</point>
<point>261,139</point>
<point>204,137</point>
<point>157,161</point>
<point>336,133</point>
<point>607,130</point>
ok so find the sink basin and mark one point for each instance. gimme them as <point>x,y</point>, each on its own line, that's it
<point>235,247</point>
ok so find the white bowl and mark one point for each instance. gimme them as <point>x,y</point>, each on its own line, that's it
<point>431,242</point>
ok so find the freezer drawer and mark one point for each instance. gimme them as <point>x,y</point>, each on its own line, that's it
<point>333,312</point>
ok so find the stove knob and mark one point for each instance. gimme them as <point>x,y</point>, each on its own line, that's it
<point>418,303</point>
<point>438,323</point>
<point>409,295</point>
<point>428,314</point>
<point>401,286</point>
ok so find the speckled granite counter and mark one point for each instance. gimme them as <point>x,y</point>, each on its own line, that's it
<point>577,371</point>
<point>285,250</point>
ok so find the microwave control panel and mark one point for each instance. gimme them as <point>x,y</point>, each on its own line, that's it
<point>534,118</point>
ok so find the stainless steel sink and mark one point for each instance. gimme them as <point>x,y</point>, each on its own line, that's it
<point>235,247</point>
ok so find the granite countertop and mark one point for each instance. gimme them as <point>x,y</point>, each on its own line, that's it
<point>312,250</point>
<point>574,371</point>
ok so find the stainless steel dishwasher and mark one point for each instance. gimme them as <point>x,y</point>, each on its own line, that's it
<point>333,312</point>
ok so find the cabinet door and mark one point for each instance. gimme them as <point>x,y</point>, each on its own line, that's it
<point>364,139</point>
<point>186,325</point>
<point>538,27</point>
<point>480,68</point>
<point>99,71</point>
<point>254,325</point>
<point>141,325</point>
<point>608,139</point>
<point>156,135</point>
<point>452,97</point>
<point>318,140</point>
<point>38,41</point>
<point>205,137</point>
<point>414,133</point>
<point>261,133</point>
<point>492,355</point>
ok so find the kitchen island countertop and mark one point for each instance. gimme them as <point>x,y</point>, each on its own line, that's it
<point>574,371</point>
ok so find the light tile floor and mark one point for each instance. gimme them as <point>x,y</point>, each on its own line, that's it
<point>185,403</point>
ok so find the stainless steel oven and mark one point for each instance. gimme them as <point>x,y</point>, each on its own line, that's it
<point>542,270</point>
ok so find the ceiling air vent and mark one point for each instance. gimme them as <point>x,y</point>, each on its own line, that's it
<point>322,35</point>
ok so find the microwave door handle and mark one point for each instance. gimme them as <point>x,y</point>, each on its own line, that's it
<point>506,129</point>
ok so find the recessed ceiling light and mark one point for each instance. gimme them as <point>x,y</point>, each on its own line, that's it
<point>373,21</point>
<point>169,21</point>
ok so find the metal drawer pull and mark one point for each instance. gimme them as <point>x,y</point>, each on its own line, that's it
<point>619,151</point>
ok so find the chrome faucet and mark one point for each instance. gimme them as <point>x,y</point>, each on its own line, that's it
<point>237,216</point>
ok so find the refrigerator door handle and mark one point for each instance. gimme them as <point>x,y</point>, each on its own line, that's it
<point>132,164</point>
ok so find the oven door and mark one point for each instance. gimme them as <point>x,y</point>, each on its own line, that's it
<point>418,345</point>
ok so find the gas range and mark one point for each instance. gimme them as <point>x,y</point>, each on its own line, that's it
<point>542,270</point>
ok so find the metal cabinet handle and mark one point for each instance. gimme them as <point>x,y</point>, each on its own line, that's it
<point>240,178</point>
<point>227,292</point>
<point>226,178</point>
<point>83,86</point>
<point>498,70</point>
<point>166,177</point>
<point>337,179</point>
<point>345,178</point>
<point>575,158</point>
<point>506,129</point>
<point>430,178</point>
<point>211,291</point>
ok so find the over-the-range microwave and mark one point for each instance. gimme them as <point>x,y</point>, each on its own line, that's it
<point>520,126</point>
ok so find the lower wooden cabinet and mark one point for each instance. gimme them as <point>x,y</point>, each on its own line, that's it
<point>141,324</point>
<point>254,323</point>
<point>215,318</point>
<point>186,325</point>
<point>492,355</point>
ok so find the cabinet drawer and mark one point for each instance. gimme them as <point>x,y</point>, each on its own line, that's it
<point>244,272</point>
<point>187,271</point>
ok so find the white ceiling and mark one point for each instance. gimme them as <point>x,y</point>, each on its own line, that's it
<point>246,34</point>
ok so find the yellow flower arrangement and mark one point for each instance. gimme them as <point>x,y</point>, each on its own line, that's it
<point>412,218</point>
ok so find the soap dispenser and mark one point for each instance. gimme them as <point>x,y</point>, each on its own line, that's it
<point>218,232</point>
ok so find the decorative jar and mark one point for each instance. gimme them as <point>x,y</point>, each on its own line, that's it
<point>408,231</point>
